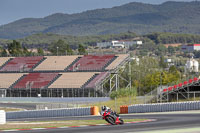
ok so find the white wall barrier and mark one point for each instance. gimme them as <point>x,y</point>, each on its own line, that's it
<point>2,117</point>
<point>164,107</point>
<point>49,113</point>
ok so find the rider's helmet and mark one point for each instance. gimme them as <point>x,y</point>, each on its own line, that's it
<point>103,108</point>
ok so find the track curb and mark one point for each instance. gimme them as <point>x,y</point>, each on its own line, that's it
<point>48,128</point>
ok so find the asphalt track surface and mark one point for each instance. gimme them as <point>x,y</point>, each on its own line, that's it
<point>164,121</point>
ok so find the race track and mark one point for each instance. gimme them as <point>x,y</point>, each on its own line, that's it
<point>164,121</point>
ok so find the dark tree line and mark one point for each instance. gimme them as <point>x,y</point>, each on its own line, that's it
<point>167,38</point>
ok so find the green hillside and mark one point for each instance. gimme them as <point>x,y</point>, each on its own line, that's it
<point>177,17</point>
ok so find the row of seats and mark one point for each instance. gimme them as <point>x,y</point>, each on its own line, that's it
<point>181,85</point>
<point>7,79</point>
<point>21,64</point>
<point>50,80</point>
<point>35,80</point>
<point>60,63</point>
<point>91,62</point>
<point>55,63</point>
<point>72,80</point>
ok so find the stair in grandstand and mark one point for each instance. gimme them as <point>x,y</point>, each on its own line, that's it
<point>72,64</point>
<point>97,80</point>
<point>109,62</point>
<point>56,77</point>
<point>17,81</point>
<point>37,64</point>
<point>5,63</point>
<point>90,80</point>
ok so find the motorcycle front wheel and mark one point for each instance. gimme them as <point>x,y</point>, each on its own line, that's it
<point>121,122</point>
<point>110,120</point>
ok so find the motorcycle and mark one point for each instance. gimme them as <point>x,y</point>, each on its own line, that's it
<point>112,117</point>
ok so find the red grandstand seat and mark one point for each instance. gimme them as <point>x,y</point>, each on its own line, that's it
<point>185,82</point>
<point>170,88</point>
<point>21,63</point>
<point>165,90</point>
<point>195,79</point>
<point>180,85</point>
<point>175,86</point>
<point>190,81</point>
<point>36,80</point>
<point>91,62</point>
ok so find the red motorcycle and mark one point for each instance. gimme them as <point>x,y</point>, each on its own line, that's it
<point>112,117</point>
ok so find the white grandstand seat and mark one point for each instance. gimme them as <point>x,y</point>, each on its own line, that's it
<point>55,63</point>
<point>72,80</point>
<point>7,79</point>
<point>120,58</point>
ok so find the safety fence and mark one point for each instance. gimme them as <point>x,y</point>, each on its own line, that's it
<point>53,113</point>
<point>72,100</point>
<point>160,107</point>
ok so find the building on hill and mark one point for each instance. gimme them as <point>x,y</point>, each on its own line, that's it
<point>173,45</point>
<point>119,43</point>
<point>190,47</point>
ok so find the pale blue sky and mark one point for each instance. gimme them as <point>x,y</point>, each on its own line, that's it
<point>11,10</point>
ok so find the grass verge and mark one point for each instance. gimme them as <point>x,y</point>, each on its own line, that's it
<point>51,124</point>
<point>10,109</point>
<point>115,104</point>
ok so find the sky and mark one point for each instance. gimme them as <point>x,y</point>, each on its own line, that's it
<point>11,10</point>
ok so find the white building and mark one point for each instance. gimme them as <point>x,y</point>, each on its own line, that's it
<point>121,43</point>
<point>192,65</point>
<point>191,47</point>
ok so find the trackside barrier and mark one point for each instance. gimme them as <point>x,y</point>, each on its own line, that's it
<point>94,110</point>
<point>123,109</point>
<point>53,113</point>
<point>161,107</point>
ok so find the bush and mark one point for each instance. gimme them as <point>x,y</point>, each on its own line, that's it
<point>123,93</point>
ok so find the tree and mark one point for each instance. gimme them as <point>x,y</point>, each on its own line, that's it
<point>4,53</point>
<point>69,50</point>
<point>15,48</point>
<point>26,52</point>
<point>171,50</point>
<point>40,51</point>
<point>60,47</point>
<point>162,62</point>
<point>81,50</point>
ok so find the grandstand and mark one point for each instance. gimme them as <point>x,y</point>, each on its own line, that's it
<point>184,90</point>
<point>58,76</point>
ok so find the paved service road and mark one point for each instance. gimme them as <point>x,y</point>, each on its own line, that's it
<point>27,106</point>
<point>164,121</point>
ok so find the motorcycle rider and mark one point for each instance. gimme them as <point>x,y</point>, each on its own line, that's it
<point>104,108</point>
